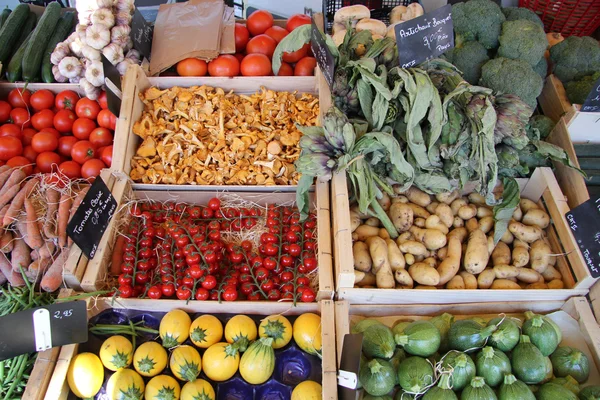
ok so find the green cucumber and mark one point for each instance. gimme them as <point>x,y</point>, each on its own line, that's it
<point>27,28</point>
<point>32,60</point>
<point>14,69</point>
<point>60,34</point>
<point>4,16</point>
<point>419,338</point>
<point>568,361</point>
<point>11,29</point>
<point>492,364</point>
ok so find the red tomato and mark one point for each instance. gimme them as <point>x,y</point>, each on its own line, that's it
<point>87,108</point>
<point>44,141</point>
<point>285,70</point>
<point>241,37</point>
<point>47,161</point>
<point>19,98</point>
<point>259,21</point>
<point>239,56</point>
<point>63,121</point>
<point>296,20</point>
<point>66,100</point>
<point>306,67</point>
<point>43,119</point>
<point>101,137</point>
<point>224,65</point>
<point>42,100</point>
<point>256,65</point>
<point>103,101</point>
<point>30,154</point>
<point>21,117</point>
<point>20,161</point>
<point>28,134</point>
<point>82,127</point>
<point>52,131</point>
<point>5,110</point>
<point>106,119</point>
<point>277,33</point>
<point>106,155</point>
<point>295,56</point>
<point>191,67</point>
<point>263,44</point>
<point>91,169</point>
<point>70,169</point>
<point>82,151</point>
<point>11,130</point>
<point>65,145</point>
<point>10,147</point>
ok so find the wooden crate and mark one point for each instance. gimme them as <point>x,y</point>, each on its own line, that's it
<point>97,268</point>
<point>59,389</point>
<point>541,187</point>
<point>577,307</point>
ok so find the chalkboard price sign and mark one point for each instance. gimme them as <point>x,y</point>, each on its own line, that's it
<point>425,37</point>
<point>592,103</point>
<point>584,221</point>
<point>322,54</point>
<point>141,34</point>
<point>92,217</point>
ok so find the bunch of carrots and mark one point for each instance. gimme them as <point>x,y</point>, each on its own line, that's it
<point>34,213</point>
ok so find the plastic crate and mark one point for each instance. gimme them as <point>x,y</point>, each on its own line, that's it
<point>380,9</point>
<point>569,17</point>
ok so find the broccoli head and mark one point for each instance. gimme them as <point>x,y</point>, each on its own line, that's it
<point>479,20</point>
<point>469,58</point>
<point>575,57</point>
<point>578,90</point>
<point>504,75</point>
<point>541,67</point>
<point>542,124</point>
<point>515,13</point>
<point>523,40</point>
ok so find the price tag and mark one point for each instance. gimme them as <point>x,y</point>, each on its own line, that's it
<point>42,328</point>
<point>112,80</point>
<point>425,37</point>
<point>141,34</point>
<point>322,54</point>
<point>349,366</point>
<point>584,221</point>
<point>92,217</point>
<point>592,103</point>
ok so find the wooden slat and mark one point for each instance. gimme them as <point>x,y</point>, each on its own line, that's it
<point>342,235</point>
<point>325,256</point>
<point>553,99</point>
<point>594,296</point>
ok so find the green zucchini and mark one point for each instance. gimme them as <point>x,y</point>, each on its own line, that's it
<point>370,397</point>
<point>469,335</point>
<point>460,367</point>
<point>4,16</point>
<point>507,335</point>
<point>399,356</point>
<point>552,391</point>
<point>11,29</point>
<point>27,28</point>
<point>60,34</point>
<point>362,326</point>
<point>419,338</point>
<point>442,391</point>
<point>530,314</point>
<point>14,69</point>
<point>542,334</point>
<point>590,393</point>
<point>568,382</point>
<point>513,389</point>
<point>443,323</point>
<point>377,377</point>
<point>492,364</point>
<point>528,363</point>
<point>415,374</point>
<point>378,341</point>
<point>569,361</point>
<point>402,395</point>
<point>549,369</point>
<point>478,390</point>
<point>32,60</point>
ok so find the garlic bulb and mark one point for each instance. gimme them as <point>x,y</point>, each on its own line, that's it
<point>90,53</point>
<point>57,75</point>
<point>94,73</point>
<point>71,38</point>
<point>123,18</point>
<point>76,47</point>
<point>92,92</point>
<point>125,5</point>
<point>114,53</point>
<point>103,16</point>
<point>123,65</point>
<point>129,45</point>
<point>85,18</point>
<point>80,30</point>
<point>105,3</point>
<point>75,79</point>
<point>119,35</point>
<point>61,51</point>
<point>97,36</point>
<point>69,67</point>
<point>134,56</point>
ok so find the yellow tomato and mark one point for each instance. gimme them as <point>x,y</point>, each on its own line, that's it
<point>85,375</point>
<point>150,359</point>
<point>307,390</point>
<point>278,328</point>
<point>240,330</point>
<point>206,330</point>
<point>220,361</point>
<point>116,352</point>
<point>197,390</point>
<point>307,333</point>
<point>162,387</point>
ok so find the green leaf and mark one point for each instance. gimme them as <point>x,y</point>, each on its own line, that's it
<point>503,212</point>
<point>292,42</point>
<point>555,153</point>
<point>365,98</point>
<point>304,184</point>
<point>379,111</point>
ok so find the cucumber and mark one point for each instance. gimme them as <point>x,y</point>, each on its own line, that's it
<point>26,30</point>
<point>14,69</point>
<point>4,15</point>
<point>11,29</point>
<point>32,60</point>
<point>60,33</point>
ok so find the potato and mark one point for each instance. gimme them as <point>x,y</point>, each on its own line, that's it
<point>486,224</point>
<point>424,274</point>
<point>431,261</point>
<point>556,284</point>
<point>520,253</point>
<point>425,287</point>
<point>360,214</point>
<point>467,212</point>
<point>536,217</point>
<point>399,199</point>
<point>404,236</point>
<point>384,277</point>
<point>419,222</point>
<point>477,254</point>
<point>395,255</point>
<point>507,237</point>
<point>432,207</point>
<point>537,285</point>
<point>527,205</point>
<point>517,214</point>
<point>458,222</point>
<point>378,252</point>
<point>460,233</point>
<point>552,261</point>
<point>364,278</point>
<point>457,204</point>
<point>490,244</point>
<point>501,254</point>
<point>413,247</point>
<point>477,199</point>
<point>419,211</point>
<point>403,278</point>
<point>434,222</point>
<point>456,283</point>
<point>373,222</point>
<point>385,200</point>
<point>362,258</point>
<point>539,255</point>
<point>444,213</point>
<point>451,264</point>
<point>447,198</point>
<point>505,271</point>
<point>354,221</point>
<point>469,279</point>
<point>409,258</point>
<point>364,231</point>
<point>505,284</point>
<point>529,275</point>
<point>528,234</point>
<point>383,233</point>
<point>551,274</point>
<point>486,278</point>
<point>484,212</point>
<point>442,253</point>
<point>418,197</point>
<point>402,216</point>
<point>431,238</point>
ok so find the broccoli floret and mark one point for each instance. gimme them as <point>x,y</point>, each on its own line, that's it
<point>543,124</point>
<point>469,58</point>
<point>541,67</point>
<point>504,75</point>
<point>515,13</point>
<point>575,57</point>
<point>479,20</point>
<point>523,40</point>
<point>578,90</point>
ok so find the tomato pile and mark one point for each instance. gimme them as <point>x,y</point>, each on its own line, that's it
<point>44,133</point>
<point>177,250</point>
<point>255,44</point>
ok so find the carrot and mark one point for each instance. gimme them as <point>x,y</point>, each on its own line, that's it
<point>117,255</point>
<point>6,242</point>
<point>3,211</point>
<point>3,279</point>
<point>77,201</point>
<point>52,199</point>
<point>47,249</point>
<point>21,226</point>
<point>10,178</point>
<point>8,195</point>
<point>33,230</point>
<point>38,268</point>
<point>17,202</point>
<point>35,255</point>
<point>14,278</point>
<point>53,277</point>
<point>20,256</point>
<point>63,219</point>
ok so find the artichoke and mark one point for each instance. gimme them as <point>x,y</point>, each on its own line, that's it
<point>345,96</point>
<point>316,164</point>
<point>512,118</point>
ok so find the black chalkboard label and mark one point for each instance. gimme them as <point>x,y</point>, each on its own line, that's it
<point>42,328</point>
<point>592,103</point>
<point>584,221</point>
<point>349,366</point>
<point>112,80</point>
<point>322,54</point>
<point>92,217</point>
<point>141,34</point>
<point>425,37</point>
